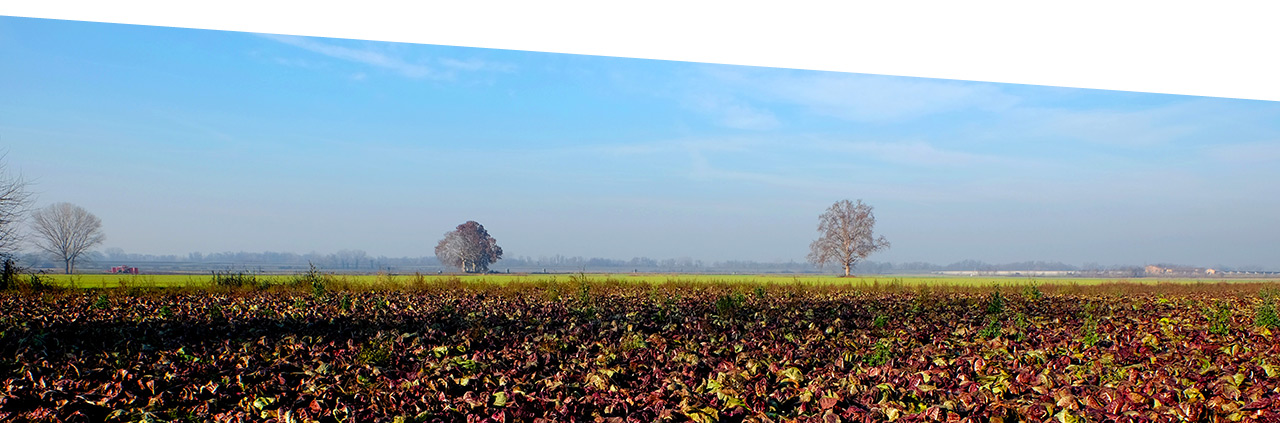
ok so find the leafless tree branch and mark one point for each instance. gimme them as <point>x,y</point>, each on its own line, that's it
<point>66,231</point>
<point>15,200</point>
<point>847,236</point>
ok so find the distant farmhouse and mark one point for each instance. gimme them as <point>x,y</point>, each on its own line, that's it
<point>1168,270</point>
<point>1186,271</point>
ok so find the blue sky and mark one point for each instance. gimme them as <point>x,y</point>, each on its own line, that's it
<point>193,140</point>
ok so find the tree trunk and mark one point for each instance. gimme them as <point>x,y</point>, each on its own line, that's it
<point>69,265</point>
<point>847,268</point>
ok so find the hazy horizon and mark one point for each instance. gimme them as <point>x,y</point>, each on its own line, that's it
<point>105,256</point>
<point>187,140</point>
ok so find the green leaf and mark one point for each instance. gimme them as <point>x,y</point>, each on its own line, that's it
<point>791,374</point>
<point>1065,416</point>
<point>263,402</point>
<point>500,399</point>
<point>731,402</point>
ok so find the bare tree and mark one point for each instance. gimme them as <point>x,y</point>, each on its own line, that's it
<point>350,259</point>
<point>450,250</point>
<point>14,201</point>
<point>847,236</point>
<point>469,248</point>
<point>66,231</point>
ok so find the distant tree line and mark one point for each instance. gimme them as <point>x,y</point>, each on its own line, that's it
<point>360,261</point>
<point>560,261</point>
<point>340,260</point>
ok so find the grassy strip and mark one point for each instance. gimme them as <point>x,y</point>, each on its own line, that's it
<point>322,281</point>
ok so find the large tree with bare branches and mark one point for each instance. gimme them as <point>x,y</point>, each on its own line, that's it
<point>66,231</point>
<point>469,248</point>
<point>847,236</point>
<point>14,200</point>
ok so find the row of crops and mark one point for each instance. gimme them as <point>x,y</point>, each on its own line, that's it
<point>588,351</point>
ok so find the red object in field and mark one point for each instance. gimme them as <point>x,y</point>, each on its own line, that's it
<point>124,269</point>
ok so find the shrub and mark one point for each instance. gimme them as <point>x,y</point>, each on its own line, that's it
<point>992,329</point>
<point>584,292</point>
<point>1089,330</point>
<point>1265,315</point>
<point>995,304</point>
<point>235,280</point>
<point>11,277</point>
<point>728,304</point>
<point>880,322</point>
<point>586,303</point>
<point>313,279</point>
<point>1020,322</point>
<point>1219,318</point>
<point>34,282</point>
<point>1032,292</point>
<point>880,355</point>
<point>10,273</point>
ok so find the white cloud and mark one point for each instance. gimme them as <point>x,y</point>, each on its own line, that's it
<point>299,63</point>
<point>884,98</point>
<point>867,98</point>
<point>368,57</point>
<point>477,65</point>
<point>678,145</point>
<point>732,113</point>
<point>447,67</point>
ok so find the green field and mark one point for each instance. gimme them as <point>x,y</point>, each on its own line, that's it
<point>201,280</point>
